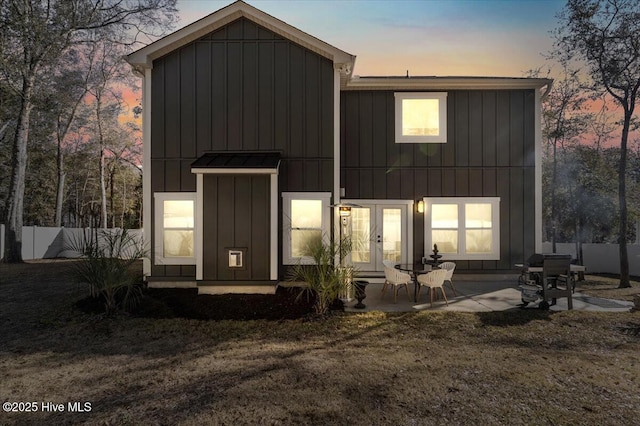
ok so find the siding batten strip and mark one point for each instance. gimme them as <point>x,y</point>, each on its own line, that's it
<point>273,237</point>
<point>199,226</point>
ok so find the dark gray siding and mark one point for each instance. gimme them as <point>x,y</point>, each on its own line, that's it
<point>241,88</point>
<point>489,153</point>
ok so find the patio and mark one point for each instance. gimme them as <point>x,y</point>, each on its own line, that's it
<point>475,293</point>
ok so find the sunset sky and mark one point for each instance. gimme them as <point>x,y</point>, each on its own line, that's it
<point>426,37</point>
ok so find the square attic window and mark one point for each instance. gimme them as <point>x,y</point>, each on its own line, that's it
<point>421,117</point>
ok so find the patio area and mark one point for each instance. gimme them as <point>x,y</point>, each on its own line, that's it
<point>475,293</point>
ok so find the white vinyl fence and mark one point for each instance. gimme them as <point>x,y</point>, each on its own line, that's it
<point>601,258</point>
<point>48,242</point>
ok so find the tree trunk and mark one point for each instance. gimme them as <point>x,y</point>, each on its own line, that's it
<point>15,199</point>
<point>61,135</point>
<point>103,189</point>
<point>124,202</point>
<point>554,210</point>
<point>112,173</point>
<point>625,280</point>
<point>60,185</point>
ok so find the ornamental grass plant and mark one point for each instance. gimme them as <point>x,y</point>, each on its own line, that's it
<point>325,276</point>
<point>106,260</point>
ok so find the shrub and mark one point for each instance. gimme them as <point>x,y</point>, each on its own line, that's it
<point>326,280</point>
<point>106,266</point>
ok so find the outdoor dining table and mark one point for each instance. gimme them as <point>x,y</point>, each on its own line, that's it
<point>414,270</point>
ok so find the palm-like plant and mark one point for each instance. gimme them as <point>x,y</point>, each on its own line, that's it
<point>106,266</point>
<point>326,278</point>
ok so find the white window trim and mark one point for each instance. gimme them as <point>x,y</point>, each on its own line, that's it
<point>442,97</point>
<point>461,202</point>
<point>287,197</point>
<point>159,199</point>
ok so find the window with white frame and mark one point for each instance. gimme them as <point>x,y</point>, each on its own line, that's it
<point>421,117</point>
<point>174,228</point>
<point>463,228</point>
<point>306,222</point>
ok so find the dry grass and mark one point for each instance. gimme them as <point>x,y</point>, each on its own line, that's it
<point>517,367</point>
<point>607,287</point>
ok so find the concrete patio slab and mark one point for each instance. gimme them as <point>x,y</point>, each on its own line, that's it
<point>474,293</point>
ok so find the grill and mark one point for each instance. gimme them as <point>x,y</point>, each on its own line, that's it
<point>542,284</point>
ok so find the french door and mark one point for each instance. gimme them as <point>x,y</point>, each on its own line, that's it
<point>379,232</point>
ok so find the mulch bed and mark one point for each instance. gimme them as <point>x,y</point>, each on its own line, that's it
<point>186,303</point>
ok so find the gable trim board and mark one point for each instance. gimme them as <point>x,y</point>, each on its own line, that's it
<point>143,58</point>
<point>329,159</point>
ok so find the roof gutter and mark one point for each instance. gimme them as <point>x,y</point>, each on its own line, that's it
<point>445,83</point>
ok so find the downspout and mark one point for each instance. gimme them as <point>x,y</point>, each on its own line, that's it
<point>337,70</point>
<point>540,95</point>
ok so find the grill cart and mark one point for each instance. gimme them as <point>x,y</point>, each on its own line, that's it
<point>546,277</point>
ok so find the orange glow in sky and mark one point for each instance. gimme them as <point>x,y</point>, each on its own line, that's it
<point>426,37</point>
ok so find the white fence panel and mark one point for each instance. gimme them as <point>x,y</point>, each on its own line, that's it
<point>46,243</point>
<point>49,242</point>
<point>601,258</point>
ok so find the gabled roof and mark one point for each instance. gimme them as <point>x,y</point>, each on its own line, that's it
<point>143,58</point>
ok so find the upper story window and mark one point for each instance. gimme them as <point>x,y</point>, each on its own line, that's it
<point>174,228</point>
<point>421,117</point>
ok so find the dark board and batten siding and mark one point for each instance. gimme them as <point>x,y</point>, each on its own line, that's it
<point>241,88</point>
<point>238,217</point>
<point>489,153</point>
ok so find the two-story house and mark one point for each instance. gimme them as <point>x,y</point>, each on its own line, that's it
<point>253,129</point>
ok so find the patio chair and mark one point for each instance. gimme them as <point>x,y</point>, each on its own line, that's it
<point>395,278</point>
<point>557,281</point>
<point>433,280</point>
<point>449,267</point>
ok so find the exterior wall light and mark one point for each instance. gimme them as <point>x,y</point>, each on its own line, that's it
<point>345,211</point>
<point>421,206</point>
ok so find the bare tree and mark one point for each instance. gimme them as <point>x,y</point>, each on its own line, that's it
<point>36,33</point>
<point>71,85</point>
<point>604,35</point>
<point>564,119</point>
